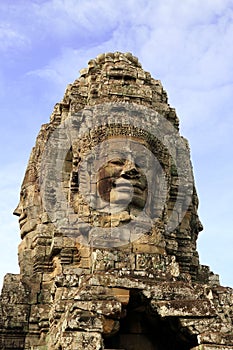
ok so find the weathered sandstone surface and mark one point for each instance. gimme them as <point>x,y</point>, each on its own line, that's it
<point>109,224</point>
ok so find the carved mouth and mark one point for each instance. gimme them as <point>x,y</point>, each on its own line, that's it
<point>22,221</point>
<point>123,185</point>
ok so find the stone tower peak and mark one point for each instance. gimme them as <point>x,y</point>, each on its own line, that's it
<point>108,218</point>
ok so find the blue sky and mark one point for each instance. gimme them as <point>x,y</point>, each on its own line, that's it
<point>186,44</point>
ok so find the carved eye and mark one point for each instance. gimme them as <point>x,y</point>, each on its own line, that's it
<point>117,161</point>
<point>23,193</point>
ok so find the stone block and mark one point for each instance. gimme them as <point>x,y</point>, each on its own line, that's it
<point>213,347</point>
<point>184,308</point>
<point>121,295</point>
<point>147,248</point>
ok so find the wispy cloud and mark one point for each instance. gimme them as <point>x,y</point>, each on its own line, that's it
<point>10,38</point>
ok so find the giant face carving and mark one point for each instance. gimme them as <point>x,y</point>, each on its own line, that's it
<point>122,183</point>
<point>113,177</point>
<point>29,207</point>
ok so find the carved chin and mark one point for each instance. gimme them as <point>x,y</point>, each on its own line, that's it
<point>29,226</point>
<point>120,197</point>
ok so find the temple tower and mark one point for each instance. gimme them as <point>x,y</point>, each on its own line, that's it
<point>108,221</point>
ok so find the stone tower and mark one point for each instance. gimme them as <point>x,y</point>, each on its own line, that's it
<point>108,221</point>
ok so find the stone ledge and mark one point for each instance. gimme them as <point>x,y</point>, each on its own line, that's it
<point>184,308</point>
<point>213,347</point>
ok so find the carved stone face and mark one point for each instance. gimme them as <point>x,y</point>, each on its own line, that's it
<point>113,180</point>
<point>29,208</point>
<point>121,182</point>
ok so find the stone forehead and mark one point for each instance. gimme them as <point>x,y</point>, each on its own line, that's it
<point>113,138</point>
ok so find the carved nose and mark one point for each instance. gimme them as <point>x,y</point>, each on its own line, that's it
<point>18,210</point>
<point>129,170</point>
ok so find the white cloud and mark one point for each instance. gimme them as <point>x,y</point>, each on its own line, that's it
<point>192,39</point>
<point>10,38</point>
<point>187,46</point>
<point>46,73</point>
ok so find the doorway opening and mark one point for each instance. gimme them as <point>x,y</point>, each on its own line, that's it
<point>142,328</point>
